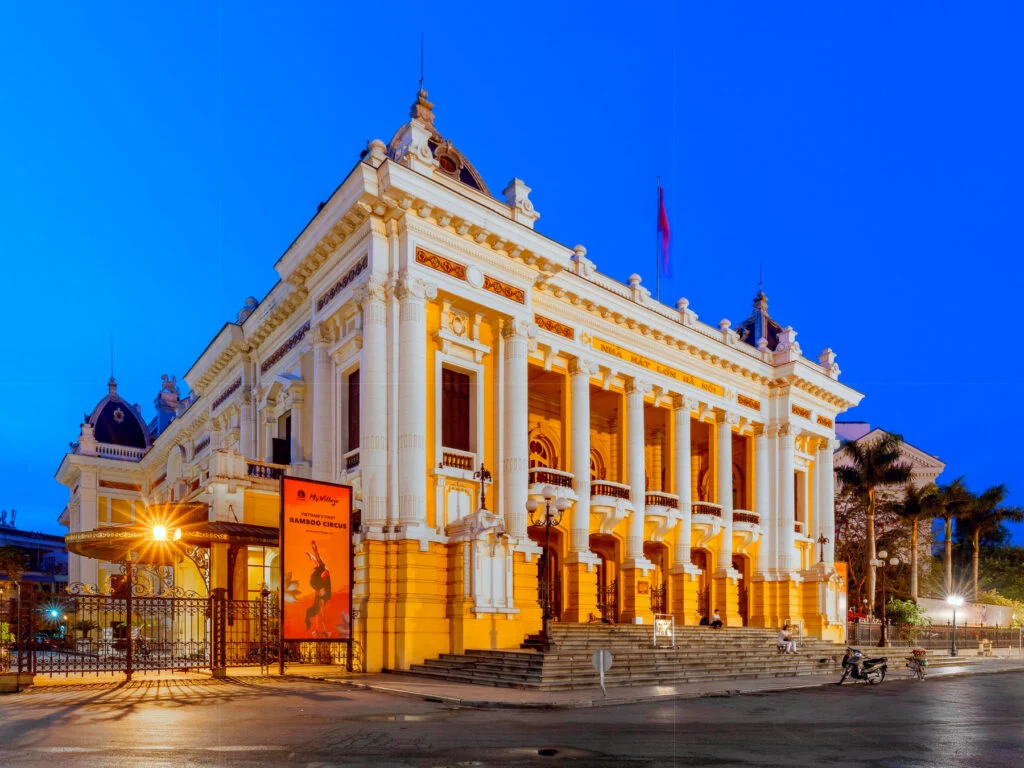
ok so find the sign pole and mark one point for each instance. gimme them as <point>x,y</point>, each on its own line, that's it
<point>280,560</point>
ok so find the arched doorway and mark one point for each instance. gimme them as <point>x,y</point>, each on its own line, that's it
<point>702,559</point>
<point>537,535</point>
<point>606,547</point>
<point>742,564</point>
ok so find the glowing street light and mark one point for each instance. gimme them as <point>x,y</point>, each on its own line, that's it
<point>159,533</point>
<point>955,601</point>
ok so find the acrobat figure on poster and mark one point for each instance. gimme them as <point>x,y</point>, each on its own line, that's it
<point>320,581</point>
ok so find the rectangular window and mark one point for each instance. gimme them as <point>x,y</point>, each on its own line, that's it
<point>353,411</point>
<point>455,410</point>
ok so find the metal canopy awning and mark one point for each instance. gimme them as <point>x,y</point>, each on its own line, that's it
<point>186,525</point>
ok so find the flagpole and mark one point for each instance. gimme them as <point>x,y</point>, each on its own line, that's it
<point>657,236</point>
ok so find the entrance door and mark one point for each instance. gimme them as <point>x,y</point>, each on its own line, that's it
<point>742,564</point>
<point>699,558</point>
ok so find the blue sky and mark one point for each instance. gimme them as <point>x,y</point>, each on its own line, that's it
<point>157,162</point>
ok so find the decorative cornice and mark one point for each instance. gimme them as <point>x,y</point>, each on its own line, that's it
<point>120,486</point>
<point>285,348</point>
<point>343,283</point>
<point>799,410</point>
<point>553,326</point>
<point>748,402</point>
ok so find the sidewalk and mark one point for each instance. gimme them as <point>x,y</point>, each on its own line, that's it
<point>485,697</point>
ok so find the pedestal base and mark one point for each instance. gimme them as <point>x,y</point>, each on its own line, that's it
<point>636,592</point>
<point>685,588</point>
<point>725,596</point>
<point>580,574</point>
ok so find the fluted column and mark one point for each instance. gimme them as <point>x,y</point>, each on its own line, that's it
<point>825,514</point>
<point>787,506</point>
<point>373,422</point>
<point>681,409</point>
<point>412,406</point>
<point>762,505</point>
<point>247,421</point>
<point>580,372</point>
<point>323,384</point>
<point>635,467</point>
<point>269,433</point>
<point>516,462</point>
<point>297,398</point>
<point>723,451</point>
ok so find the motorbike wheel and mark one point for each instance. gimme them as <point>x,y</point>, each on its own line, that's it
<point>875,676</point>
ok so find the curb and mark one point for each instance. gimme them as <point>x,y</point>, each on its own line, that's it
<point>615,702</point>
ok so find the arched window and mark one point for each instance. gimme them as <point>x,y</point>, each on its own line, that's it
<point>597,470</point>
<point>542,452</point>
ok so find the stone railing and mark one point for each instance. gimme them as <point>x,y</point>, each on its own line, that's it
<point>609,488</point>
<point>659,499</point>
<point>124,452</point>
<point>546,476</point>
<point>707,508</point>
<point>351,460</point>
<point>746,516</point>
<point>456,459</point>
<point>264,470</point>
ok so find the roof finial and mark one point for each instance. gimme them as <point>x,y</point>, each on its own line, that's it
<point>421,60</point>
<point>112,384</point>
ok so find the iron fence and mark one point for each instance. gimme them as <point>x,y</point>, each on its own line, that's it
<point>934,637</point>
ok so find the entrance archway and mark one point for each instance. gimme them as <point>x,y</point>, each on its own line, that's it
<point>741,563</point>
<point>607,548</point>
<point>702,559</point>
<point>537,535</point>
<point>657,553</point>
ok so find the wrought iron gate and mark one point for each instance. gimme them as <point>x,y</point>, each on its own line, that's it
<point>608,601</point>
<point>658,602</point>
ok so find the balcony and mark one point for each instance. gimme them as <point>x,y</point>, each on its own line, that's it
<point>663,509</point>
<point>122,452</point>
<point>264,474</point>
<point>659,499</point>
<point>452,458</point>
<point>707,509</point>
<point>609,489</point>
<point>351,460</point>
<point>609,503</point>
<point>561,482</point>
<point>745,517</point>
<point>705,522</point>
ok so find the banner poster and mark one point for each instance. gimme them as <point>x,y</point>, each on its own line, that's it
<point>316,560</point>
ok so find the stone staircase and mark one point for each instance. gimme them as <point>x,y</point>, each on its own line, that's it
<point>701,654</point>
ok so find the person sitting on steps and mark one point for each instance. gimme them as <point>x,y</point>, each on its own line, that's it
<point>786,642</point>
<point>716,620</point>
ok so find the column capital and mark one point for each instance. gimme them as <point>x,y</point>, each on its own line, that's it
<point>321,335</point>
<point>685,402</point>
<point>373,290</point>
<point>638,385</point>
<point>512,327</point>
<point>758,429</point>
<point>410,287</point>
<point>727,417</point>
<point>580,366</point>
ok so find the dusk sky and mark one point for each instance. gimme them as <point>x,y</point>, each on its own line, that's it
<point>157,161</point>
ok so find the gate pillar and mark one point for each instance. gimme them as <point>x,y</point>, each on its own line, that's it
<point>219,626</point>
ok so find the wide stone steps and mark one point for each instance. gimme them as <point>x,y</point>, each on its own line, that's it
<point>701,654</point>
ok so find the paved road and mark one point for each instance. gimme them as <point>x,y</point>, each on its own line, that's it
<point>966,721</point>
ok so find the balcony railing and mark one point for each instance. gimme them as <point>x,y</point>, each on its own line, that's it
<point>351,460</point>
<point>547,476</point>
<point>659,499</point>
<point>124,452</point>
<point>608,488</point>
<point>264,470</point>
<point>707,508</point>
<point>798,527</point>
<point>746,516</point>
<point>456,459</point>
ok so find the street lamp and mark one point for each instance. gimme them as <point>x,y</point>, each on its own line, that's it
<point>484,476</point>
<point>159,533</point>
<point>955,601</point>
<point>880,562</point>
<point>548,515</point>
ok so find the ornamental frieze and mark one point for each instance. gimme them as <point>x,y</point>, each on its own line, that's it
<point>504,289</point>
<point>748,402</point>
<point>553,326</point>
<point>825,421</point>
<point>285,348</point>
<point>653,365</point>
<point>441,264</point>
<point>232,388</point>
<point>119,486</point>
<point>344,282</point>
<point>800,411</point>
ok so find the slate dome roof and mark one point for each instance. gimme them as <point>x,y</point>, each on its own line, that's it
<point>117,422</point>
<point>760,324</point>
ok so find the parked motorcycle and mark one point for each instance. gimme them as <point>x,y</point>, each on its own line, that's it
<point>859,667</point>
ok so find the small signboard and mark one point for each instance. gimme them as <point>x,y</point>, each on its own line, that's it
<point>602,661</point>
<point>664,630</point>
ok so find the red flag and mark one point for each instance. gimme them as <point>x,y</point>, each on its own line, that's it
<point>663,235</point>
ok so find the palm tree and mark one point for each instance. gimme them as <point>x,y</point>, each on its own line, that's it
<point>13,563</point>
<point>918,504</point>
<point>954,503</point>
<point>985,515</point>
<point>866,468</point>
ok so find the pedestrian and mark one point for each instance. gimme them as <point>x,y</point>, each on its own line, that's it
<point>716,620</point>
<point>786,642</point>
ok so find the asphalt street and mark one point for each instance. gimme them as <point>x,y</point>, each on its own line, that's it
<point>972,720</point>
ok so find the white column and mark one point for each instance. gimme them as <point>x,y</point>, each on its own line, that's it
<point>216,434</point>
<point>516,461</point>
<point>825,514</point>
<point>787,504</point>
<point>723,451</point>
<point>412,400</point>
<point>297,397</point>
<point>323,383</point>
<point>681,454</point>
<point>269,432</point>
<point>635,466</point>
<point>580,372</point>
<point>247,421</point>
<point>766,550</point>
<point>373,421</point>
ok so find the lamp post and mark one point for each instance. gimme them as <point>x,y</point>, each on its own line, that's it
<point>548,515</point>
<point>822,541</point>
<point>880,562</point>
<point>954,601</point>
<point>484,476</point>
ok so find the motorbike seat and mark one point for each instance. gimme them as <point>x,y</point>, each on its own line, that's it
<point>879,660</point>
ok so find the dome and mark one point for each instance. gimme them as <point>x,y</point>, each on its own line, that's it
<point>450,161</point>
<point>760,325</point>
<point>116,422</point>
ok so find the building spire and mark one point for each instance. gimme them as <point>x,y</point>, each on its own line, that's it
<point>422,109</point>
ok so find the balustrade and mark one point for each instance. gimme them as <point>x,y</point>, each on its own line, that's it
<point>746,516</point>
<point>707,508</point>
<point>110,451</point>
<point>264,470</point>
<point>456,459</point>
<point>608,488</point>
<point>659,499</point>
<point>351,460</point>
<point>547,476</point>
